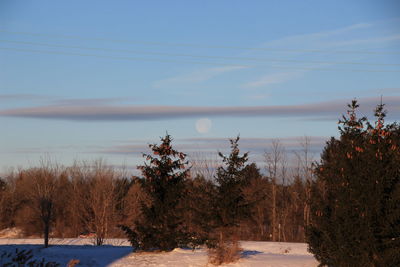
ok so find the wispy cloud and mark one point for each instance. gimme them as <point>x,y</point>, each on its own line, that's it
<point>303,47</point>
<point>273,78</point>
<point>310,38</point>
<point>197,76</point>
<point>58,101</point>
<point>252,144</point>
<point>44,150</point>
<point>90,101</point>
<point>202,75</point>
<point>131,113</point>
<point>212,145</point>
<point>376,40</point>
<point>20,97</point>
<point>258,96</point>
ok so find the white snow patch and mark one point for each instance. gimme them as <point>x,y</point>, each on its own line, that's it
<point>117,252</point>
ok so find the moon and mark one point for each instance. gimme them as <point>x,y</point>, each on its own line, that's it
<point>203,125</point>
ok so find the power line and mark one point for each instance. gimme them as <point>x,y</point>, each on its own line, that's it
<point>190,62</point>
<point>200,56</point>
<point>202,46</point>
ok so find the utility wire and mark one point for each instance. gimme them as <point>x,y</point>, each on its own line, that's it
<point>190,62</point>
<point>200,56</point>
<point>203,46</point>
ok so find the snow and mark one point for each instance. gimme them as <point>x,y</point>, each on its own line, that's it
<point>117,252</point>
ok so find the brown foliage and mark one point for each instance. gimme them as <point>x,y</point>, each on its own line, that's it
<point>226,250</point>
<point>132,203</point>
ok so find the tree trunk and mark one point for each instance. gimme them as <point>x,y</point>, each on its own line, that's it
<point>46,233</point>
<point>274,210</point>
<point>46,214</point>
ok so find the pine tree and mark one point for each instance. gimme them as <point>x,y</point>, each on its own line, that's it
<point>164,182</point>
<point>229,206</point>
<point>355,200</point>
<point>230,202</point>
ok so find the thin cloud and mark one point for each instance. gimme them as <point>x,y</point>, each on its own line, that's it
<point>197,76</point>
<point>343,30</point>
<point>383,39</point>
<point>309,38</point>
<point>89,101</point>
<point>254,145</point>
<point>132,113</point>
<point>307,41</point>
<point>274,78</point>
<point>212,145</point>
<point>19,97</point>
<point>43,150</point>
<point>258,96</point>
<point>64,101</point>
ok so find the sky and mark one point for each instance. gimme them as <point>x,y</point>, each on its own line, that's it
<point>84,80</point>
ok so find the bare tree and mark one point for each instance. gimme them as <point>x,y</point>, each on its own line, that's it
<point>42,193</point>
<point>304,162</point>
<point>275,159</point>
<point>102,204</point>
<point>77,204</point>
<point>4,203</point>
<point>204,164</point>
<point>132,203</point>
<point>94,200</point>
<point>100,200</point>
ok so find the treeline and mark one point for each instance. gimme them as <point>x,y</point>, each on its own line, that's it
<point>91,197</point>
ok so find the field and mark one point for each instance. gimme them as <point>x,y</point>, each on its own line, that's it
<point>117,252</point>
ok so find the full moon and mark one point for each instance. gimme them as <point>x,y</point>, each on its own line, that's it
<point>203,125</point>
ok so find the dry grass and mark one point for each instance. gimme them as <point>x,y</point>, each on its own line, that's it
<point>225,251</point>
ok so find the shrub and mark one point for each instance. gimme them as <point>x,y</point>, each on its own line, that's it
<point>225,250</point>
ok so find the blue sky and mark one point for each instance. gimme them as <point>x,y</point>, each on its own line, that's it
<point>89,79</point>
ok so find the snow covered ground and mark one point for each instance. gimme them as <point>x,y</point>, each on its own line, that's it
<point>117,252</point>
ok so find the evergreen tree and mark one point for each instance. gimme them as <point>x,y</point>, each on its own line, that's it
<point>355,201</point>
<point>231,208</point>
<point>164,182</point>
